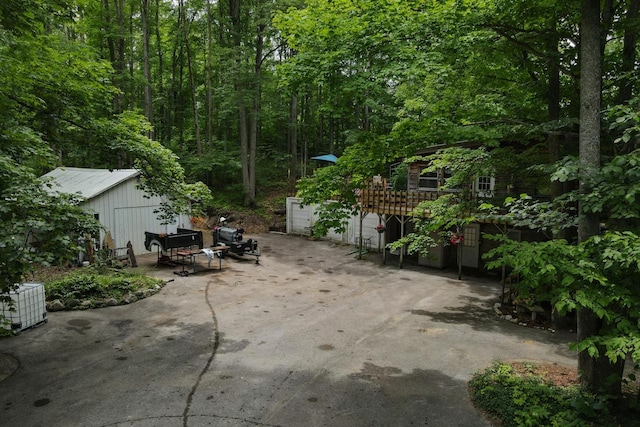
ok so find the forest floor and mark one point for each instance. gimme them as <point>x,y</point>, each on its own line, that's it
<point>269,215</point>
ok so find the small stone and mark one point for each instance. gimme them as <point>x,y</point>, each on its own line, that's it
<point>138,293</point>
<point>514,320</point>
<point>56,305</point>
<point>497,305</point>
<point>129,298</point>
<point>156,287</point>
<point>111,301</point>
<point>147,292</point>
<point>86,303</point>
<point>508,317</point>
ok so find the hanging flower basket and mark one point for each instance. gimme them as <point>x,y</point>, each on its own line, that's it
<point>380,228</point>
<point>456,238</point>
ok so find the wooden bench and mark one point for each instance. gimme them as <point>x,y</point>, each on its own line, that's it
<point>530,308</point>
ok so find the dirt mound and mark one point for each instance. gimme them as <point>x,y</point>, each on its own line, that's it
<point>270,215</point>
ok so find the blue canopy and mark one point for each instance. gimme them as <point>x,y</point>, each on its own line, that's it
<point>327,158</point>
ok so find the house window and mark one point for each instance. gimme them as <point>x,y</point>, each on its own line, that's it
<point>484,186</point>
<point>428,181</point>
<point>446,174</point>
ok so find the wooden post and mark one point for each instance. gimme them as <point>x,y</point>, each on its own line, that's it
<point>91,253</point>
<point>360,238</point>
<point>379,233</point>
<point>384,250</point>
<point>401,236</point>
<point>132,256</point>
<point>460,260</point>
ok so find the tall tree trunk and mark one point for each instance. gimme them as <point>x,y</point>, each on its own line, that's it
<point>595,372</point>
<point>627,67</point>
<point>161,129</point>
<point>243,136</point>
<point>148,99</point>
<point>209,77</point>
<point>332,125</point>
<point>192,83</point>
<point>109,26</point>
<point>120,54</point>
<point>255,116</point>
<point>243,126</point>
<point>133,88</point>
<point>553,103</point>
<point>630,41</point>
<point>114,22</point>
<point>177,107</point>
<point>321,119</point>
<point>293,136</point>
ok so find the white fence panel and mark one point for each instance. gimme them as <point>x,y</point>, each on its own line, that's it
<point>300,221</point>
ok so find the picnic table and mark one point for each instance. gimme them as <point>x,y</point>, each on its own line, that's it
<point>188,258</point>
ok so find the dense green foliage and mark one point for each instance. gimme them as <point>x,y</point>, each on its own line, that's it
<point>56,108</point>
<point>339,183</point>
<point>522,398</point>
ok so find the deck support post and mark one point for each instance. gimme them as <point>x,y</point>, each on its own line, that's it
<point>402,220</point>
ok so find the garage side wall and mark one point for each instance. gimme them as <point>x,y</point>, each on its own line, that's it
<point>127,214</point>
<point>300,221</point>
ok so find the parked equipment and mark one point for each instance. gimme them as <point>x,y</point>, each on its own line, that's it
<point>232,238</point>
<point>184,238</point>
<point>170,244</point>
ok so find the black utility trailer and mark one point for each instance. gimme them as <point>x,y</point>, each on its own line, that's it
<point>232,238</point>
<point>169,244</point>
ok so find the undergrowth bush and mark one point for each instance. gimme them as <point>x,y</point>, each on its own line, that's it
<point>92,285</point>
<point>518,399</point>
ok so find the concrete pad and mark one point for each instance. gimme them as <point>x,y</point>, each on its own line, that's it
<point>309,337</point>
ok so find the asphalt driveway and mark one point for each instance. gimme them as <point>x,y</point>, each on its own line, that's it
<point>309,337</point>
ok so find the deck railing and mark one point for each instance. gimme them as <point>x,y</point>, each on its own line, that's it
<point>381,200</point>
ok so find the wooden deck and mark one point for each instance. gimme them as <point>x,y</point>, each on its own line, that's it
<point>380,200</point>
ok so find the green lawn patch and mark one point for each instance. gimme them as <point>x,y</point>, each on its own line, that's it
<point>523,396</point>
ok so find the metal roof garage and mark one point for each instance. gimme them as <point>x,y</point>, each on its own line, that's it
<point>114,197</point>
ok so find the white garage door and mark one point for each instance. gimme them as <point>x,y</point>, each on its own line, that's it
<point>298,219</point>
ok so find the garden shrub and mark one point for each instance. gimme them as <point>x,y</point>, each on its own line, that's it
<point>90,285</point>
<point>525,400</point>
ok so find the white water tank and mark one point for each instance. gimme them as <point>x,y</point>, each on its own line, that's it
<point>29,308</point>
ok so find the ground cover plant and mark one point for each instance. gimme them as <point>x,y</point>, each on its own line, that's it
<point>527,394</point>
<point>90,288</point>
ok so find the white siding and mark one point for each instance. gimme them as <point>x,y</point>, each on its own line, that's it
<point>300,221</point>
<point>125,212</point>
<point>437,255</point>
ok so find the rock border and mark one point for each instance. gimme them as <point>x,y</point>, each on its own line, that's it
<point>497,307</point>
<point>131,297</point>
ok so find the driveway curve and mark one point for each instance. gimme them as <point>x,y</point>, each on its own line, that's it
<point>309,337</point>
